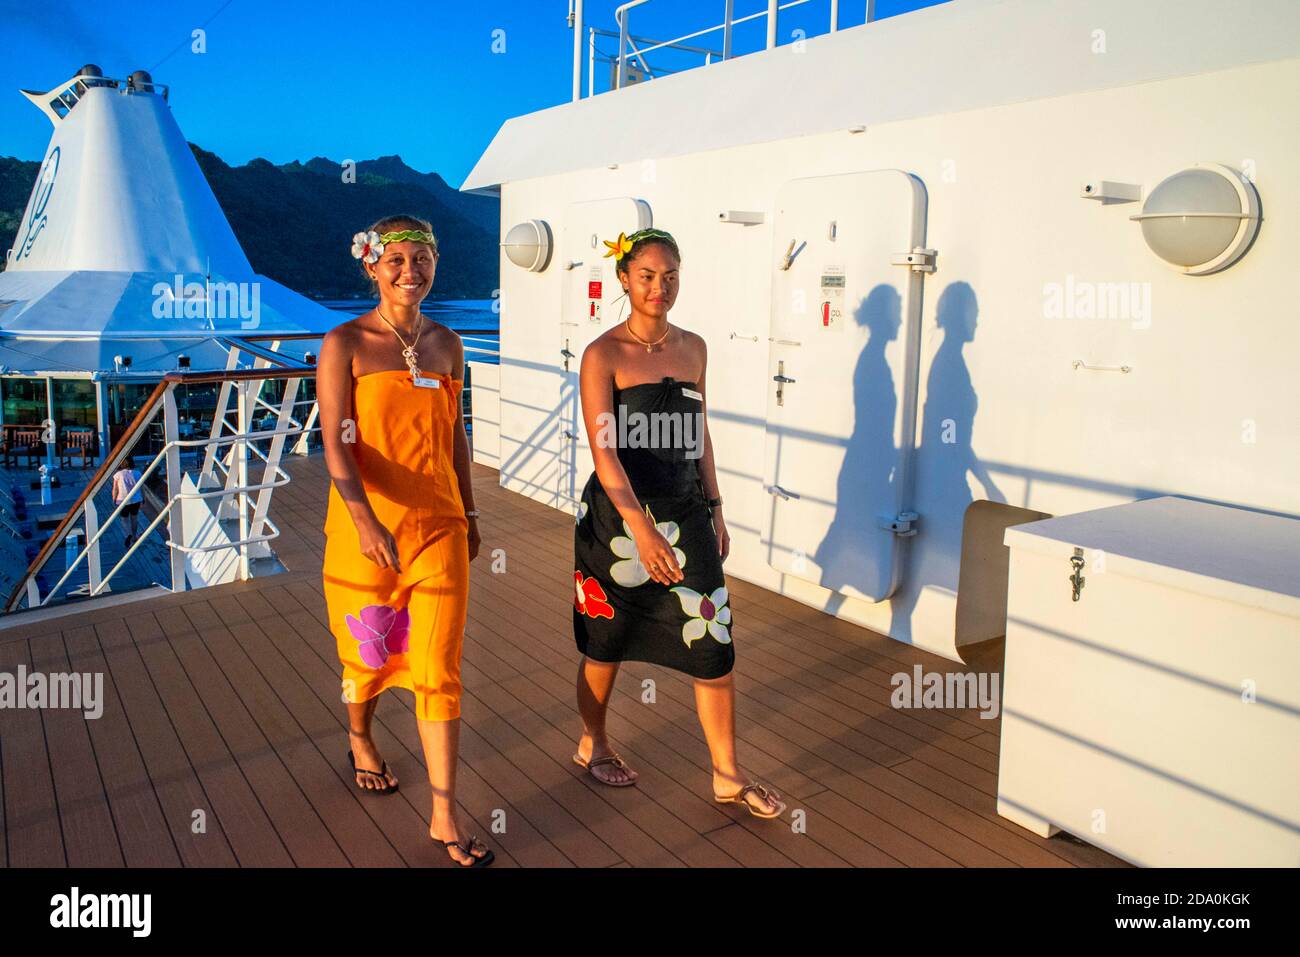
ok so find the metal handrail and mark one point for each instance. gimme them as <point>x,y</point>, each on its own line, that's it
<point>67,95</point>
<point>162,398</point>
<point>627,43</point>
<point>230,469</point>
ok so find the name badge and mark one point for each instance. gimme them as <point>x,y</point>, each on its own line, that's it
<point>691,394</point>
<point>424,382</point>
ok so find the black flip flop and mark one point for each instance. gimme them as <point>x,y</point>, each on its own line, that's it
<point>386,789</point>
<point>467,848</point>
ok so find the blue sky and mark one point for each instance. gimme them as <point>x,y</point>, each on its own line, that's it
<point>288,79</point>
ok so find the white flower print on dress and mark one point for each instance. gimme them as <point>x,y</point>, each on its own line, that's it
<point>629,572</point>
<point>705,613</point>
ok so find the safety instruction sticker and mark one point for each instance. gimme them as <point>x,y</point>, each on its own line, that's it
<point>831,303</point>
<point>595,289</point>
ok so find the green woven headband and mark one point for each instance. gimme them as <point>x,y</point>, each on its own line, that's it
<point>651,233</point>
<point>407,235</point>
<point>618,248</point>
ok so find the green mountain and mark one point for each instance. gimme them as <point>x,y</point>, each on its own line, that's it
<point>16,180</point>
<point>296,221</point>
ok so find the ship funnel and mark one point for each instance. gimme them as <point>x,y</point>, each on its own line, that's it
<point>120,190</point>
<point>122,238</point>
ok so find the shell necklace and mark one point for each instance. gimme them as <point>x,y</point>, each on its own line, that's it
<point>648,345</point>
<point>408,351</point>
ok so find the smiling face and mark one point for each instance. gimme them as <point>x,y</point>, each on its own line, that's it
<point>651,280</point>
<point>404,273</point>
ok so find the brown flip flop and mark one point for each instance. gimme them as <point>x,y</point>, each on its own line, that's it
<point>614,759</point>
<point>762,792</point>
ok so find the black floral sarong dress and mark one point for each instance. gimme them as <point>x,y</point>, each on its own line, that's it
<point>620,613</point>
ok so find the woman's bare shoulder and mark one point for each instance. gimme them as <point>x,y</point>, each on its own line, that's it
<point>441,331</point>
<point>601,353</point>
<point>339,346</point>
<point>695,342</point>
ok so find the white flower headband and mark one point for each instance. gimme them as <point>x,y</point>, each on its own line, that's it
<point>369,246</point>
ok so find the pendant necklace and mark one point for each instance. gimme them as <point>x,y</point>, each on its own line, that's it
<point>648,345</point>
<point>408,351</point>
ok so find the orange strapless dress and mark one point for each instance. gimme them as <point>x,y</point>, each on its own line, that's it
<point>402,630</point>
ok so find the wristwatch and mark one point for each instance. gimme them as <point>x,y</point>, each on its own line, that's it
<point>715,503</point>
<point>472,513</point>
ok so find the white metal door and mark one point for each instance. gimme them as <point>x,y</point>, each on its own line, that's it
<point>841,411</point>
<point>589,305</point>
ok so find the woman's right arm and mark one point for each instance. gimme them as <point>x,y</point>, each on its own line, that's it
<point>595,384</point>
<point>339,434</point>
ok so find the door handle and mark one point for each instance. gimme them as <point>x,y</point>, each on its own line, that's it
<point>784,493</point>
<point>781,379</point>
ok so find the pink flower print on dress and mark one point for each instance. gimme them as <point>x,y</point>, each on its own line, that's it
<point>382,631</point>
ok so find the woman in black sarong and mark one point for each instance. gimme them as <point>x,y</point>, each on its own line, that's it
<point>650,539</point>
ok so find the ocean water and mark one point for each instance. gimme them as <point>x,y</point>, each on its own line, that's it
<point>477,321</point>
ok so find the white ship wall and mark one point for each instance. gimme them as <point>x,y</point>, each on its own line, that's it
<point>1211,409</point>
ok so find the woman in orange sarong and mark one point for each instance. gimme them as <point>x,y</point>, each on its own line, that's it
<point>401,527</point>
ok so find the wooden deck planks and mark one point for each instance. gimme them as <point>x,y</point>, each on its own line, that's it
<point>226,700</point>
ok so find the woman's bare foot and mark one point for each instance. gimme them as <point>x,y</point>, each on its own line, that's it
<point>764,802</point>
<point>367,758</point>
<point>443,830</point>
<point>607,773</point>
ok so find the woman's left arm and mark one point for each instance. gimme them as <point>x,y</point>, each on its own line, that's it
<point>708,472</point>
<point>460,448</point>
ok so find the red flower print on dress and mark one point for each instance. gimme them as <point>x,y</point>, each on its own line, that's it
<point>382,631</point>
<point>589,598</point>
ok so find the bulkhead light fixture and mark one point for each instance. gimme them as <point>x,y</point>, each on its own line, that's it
<point>529,245</point>
<point>1201,219</point>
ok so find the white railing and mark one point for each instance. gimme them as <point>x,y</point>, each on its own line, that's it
<point>222,476</point>
<point>630,46</point>
<point>228,453</point>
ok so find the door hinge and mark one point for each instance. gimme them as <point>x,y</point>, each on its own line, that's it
<point>918,260</point>
<point>903,525</point>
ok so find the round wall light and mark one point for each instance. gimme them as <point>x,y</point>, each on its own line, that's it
<point>1201,219</point>
<point>529,245</point>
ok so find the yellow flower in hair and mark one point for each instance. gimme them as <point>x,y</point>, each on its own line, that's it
<point>618,248</point>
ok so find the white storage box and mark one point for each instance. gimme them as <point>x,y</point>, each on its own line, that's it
<point>1158,716</point>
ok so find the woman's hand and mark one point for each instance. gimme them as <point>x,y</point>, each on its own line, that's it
<point>720,530</point>
<point>378,544</point>
<point>657,556</point>
<point>474,539</point>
